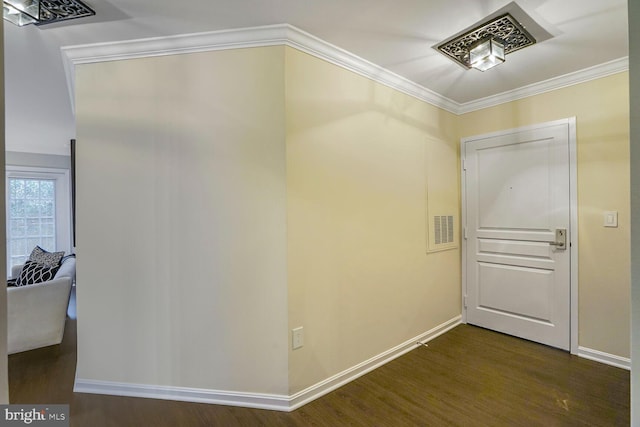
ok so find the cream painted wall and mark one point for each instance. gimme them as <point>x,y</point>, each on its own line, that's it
<point>181,221</point>
<point>254,203</point>
<point>360,280</point>
<point>601,108</point>
<point>241,220</point>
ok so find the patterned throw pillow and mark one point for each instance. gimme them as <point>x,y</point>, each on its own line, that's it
<point>48,259</point>
<point>33,273</point>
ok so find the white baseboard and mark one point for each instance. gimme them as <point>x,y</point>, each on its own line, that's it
<point>217,397</point>
<point>606,358</point>
<point>257,400</point>
<point>320,389</point>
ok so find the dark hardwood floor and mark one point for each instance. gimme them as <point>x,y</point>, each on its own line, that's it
<point>467,377</point>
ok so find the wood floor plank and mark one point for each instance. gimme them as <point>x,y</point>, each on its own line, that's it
<point>466,377</point>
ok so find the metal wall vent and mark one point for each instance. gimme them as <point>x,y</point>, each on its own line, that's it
<point>443,229</point>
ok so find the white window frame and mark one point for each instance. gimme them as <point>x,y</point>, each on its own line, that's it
<point>63,201</point>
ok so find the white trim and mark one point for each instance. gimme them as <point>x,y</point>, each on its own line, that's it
<point>606,358</point>
<point>319,48</point>
<point>318,390</point>
<point>288,35</point>
<point>573,215</point>
<point>259,400</point>
<point>463,226</point>
<point>598,71</point>
<point>28,171</point>
<point>573,200</point>
<point>248,400</point>
<point>269,35</point>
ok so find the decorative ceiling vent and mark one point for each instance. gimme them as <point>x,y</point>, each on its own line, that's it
<point>41,12</point>
<point>504,29</point>
<point>62,10</point>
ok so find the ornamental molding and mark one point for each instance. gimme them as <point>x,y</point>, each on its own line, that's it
<point>288,35</point>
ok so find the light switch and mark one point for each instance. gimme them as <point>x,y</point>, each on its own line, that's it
<point>611,218</point>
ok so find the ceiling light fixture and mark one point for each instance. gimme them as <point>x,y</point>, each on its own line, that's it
<point>486,44</point>
<point>486,54</point>
<point>41,12</point>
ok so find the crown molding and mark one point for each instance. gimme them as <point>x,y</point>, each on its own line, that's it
<point>270,35</point>
<point>319,48</point>
<point>581,76</point>
<point>288,35</point>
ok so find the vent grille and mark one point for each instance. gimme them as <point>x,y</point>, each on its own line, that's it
<point>505,28</point>
<point>443,229</point>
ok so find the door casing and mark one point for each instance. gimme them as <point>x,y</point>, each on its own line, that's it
<point>573,196</point>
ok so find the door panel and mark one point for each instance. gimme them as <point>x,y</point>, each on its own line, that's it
<point>515,252</point>
<point>509,173</point>
<point>516,196</point>
<point>517,291</point>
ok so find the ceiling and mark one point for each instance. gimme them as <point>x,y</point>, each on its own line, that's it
<point>398,35</point>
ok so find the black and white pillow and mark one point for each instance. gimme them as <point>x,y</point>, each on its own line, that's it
<point>33,273</point>
<point>43,257</point>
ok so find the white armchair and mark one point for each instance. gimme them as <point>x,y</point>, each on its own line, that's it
<point>36,314</point>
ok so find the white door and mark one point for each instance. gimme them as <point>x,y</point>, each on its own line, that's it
<point>517,207</point>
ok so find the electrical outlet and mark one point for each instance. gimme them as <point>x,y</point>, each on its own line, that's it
<point>297,338</point>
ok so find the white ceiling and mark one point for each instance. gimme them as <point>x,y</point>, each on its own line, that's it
<point>395,34</point>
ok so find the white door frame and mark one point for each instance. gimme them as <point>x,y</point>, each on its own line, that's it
<point>573,196</point>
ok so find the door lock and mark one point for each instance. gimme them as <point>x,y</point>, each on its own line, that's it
<point>561,239</point>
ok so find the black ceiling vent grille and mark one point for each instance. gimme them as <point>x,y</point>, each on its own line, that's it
<point>52,11</point>
<point>504,28</point>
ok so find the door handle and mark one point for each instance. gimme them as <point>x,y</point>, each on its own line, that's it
<point>561,239</point>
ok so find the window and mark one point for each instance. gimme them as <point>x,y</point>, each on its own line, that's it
<point>37,212</point>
